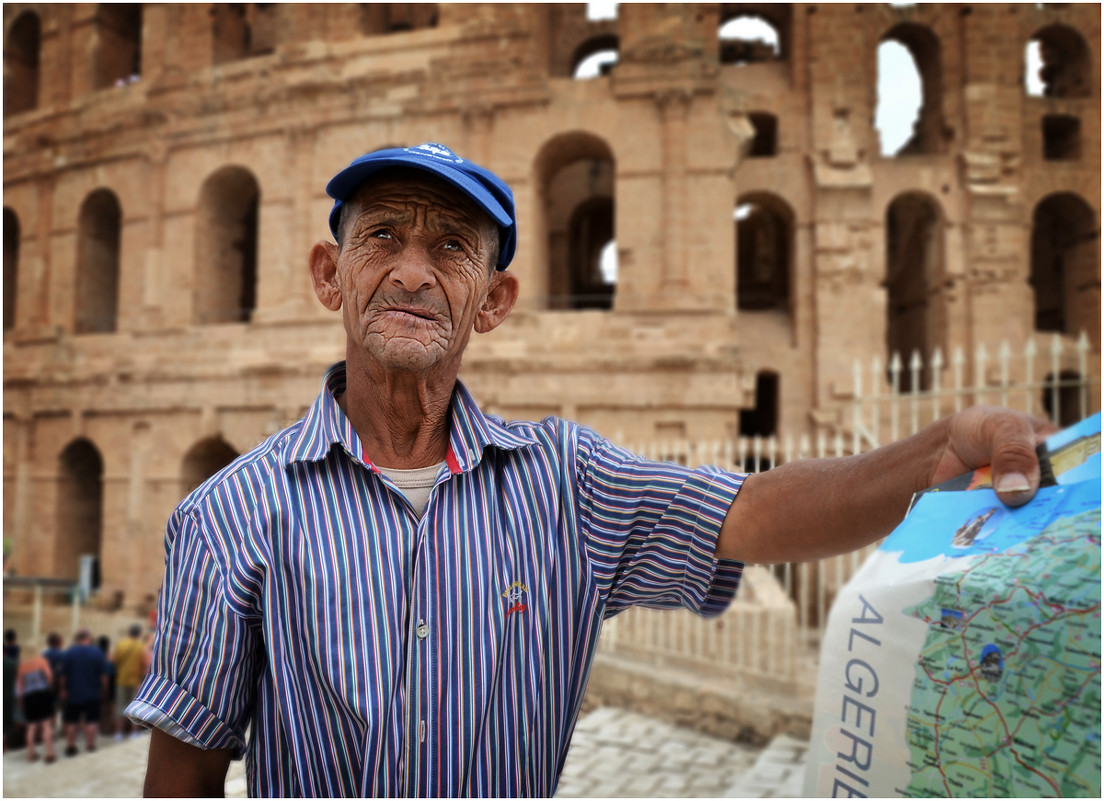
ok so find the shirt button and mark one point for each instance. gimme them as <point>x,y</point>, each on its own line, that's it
<point>422,631</point>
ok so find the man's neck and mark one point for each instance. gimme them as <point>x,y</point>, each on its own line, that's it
<point>402,419</point>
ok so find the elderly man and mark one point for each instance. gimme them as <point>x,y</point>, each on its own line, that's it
<point>400,595</point>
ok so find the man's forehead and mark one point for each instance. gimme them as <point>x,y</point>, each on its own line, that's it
<point>411,190</point>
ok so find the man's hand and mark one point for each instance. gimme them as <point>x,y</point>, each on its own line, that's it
<point>814,508</point>
<point>989,435</point>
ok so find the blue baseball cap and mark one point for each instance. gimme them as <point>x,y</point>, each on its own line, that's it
<point>486,190</point>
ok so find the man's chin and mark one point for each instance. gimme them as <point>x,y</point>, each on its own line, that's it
<point>404,354</point>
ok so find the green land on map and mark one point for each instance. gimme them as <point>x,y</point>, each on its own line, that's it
<point>1006,696</point>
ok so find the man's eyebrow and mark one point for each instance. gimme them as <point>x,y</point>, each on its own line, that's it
<point>382,212</point>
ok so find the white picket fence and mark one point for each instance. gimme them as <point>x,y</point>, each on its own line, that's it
<point>772,636</point>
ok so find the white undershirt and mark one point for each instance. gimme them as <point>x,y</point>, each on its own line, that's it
<point>415,484</point>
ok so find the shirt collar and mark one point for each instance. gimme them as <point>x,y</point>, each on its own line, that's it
<point>325,425</point>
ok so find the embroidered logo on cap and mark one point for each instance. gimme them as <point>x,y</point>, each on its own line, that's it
<point>513,596</point>
<point>435,151</point>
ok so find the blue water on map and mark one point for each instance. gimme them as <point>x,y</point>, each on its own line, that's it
<point>930,529</point>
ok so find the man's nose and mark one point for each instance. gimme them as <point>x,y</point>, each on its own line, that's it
<point>413,269</point>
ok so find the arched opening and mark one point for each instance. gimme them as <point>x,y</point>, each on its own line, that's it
<point>1065,266</point>
<point>383,18</point>
<point>900,97</point>
<point>595,58</point>
<point>749,39</point>
<point>1062,398</point>
<point>226,247</point>
<point>119,44</point>
<point>761,421</point>
<point>577,173</point>
<point>591,232</point>
<point>11,266</point>
<point>914,267</point>
<point>204,460</point>
<point>1057,64</point>
<point>98,235</point>
<point>909,114</point>
<point>764,252</point>
<point>1061,137</point>
<point>241,30</point>
<point>22,51</point>
<point>229,32</point>
<point>765,143</point>
<point>79,507</point>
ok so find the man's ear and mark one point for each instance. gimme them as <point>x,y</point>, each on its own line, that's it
<point>323,270</point>
<point>500,300</point>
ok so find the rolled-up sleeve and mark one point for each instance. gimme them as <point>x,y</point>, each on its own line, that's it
<point>651,529</point>
<point>203,672</point>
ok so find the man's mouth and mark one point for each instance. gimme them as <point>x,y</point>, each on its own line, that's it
<point>422,314</point>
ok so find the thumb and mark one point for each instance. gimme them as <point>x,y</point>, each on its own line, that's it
<point>1007,441</point>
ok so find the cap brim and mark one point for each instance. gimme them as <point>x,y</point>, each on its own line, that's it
<point>342,185</point>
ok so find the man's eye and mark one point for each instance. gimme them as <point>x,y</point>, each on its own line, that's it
<point>453,244</point>
<point>381,233</point>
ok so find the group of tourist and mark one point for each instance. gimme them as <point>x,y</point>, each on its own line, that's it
<point>88,683</point>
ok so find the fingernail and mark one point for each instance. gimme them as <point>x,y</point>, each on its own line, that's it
<point>1013,482</point>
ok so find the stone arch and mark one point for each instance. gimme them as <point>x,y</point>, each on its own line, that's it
<point>595,57</point>
<point>576,175</point>
<point>11,266</point>
<point>99,233</point>
<point>226,247</point>
<point>929,131</point>
<point>764,251</point>
<point>79,506</point>
<point>914,269</point>
<point>118,53</point>
<point>1064,63</point>
<point>754,32</point>
<point>203,460</point>
<point>22,54</point>
<point>1065,265</point>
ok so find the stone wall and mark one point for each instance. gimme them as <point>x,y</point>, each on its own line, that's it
<point>223,124</point>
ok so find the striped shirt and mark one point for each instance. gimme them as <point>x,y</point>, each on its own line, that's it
<point>370,651</point>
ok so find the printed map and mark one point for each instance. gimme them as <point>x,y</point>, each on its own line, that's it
<point>1006,699</point>
<point>963,658</point>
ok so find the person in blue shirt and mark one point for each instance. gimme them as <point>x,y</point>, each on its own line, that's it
<point>82,685</point>
<point>401,595</point>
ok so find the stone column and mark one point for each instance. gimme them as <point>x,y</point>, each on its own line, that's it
<point>41,316</point>
<point>304,228</point>
<point>153,280</point>
<point>130,557</point>
<point>26,560</point>
<point>478,120</point>
<point>674,108</point>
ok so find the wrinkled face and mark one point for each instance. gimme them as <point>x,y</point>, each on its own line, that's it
<point>413,270</point>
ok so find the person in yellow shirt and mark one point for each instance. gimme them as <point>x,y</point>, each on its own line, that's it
<point>131,663</point>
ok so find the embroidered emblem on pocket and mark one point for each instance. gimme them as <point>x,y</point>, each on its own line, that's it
<point>514,596</point>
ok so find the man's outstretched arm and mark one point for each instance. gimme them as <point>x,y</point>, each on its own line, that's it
<point>179,770</point>
<point>813,508</point>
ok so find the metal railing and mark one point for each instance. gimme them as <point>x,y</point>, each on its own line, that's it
<point>767,635</point>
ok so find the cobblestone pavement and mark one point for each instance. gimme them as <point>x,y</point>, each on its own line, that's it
<point>615,753</point>
<point>619,754</point>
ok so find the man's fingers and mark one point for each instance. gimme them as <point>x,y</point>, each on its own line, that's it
<point>1012,440</point>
